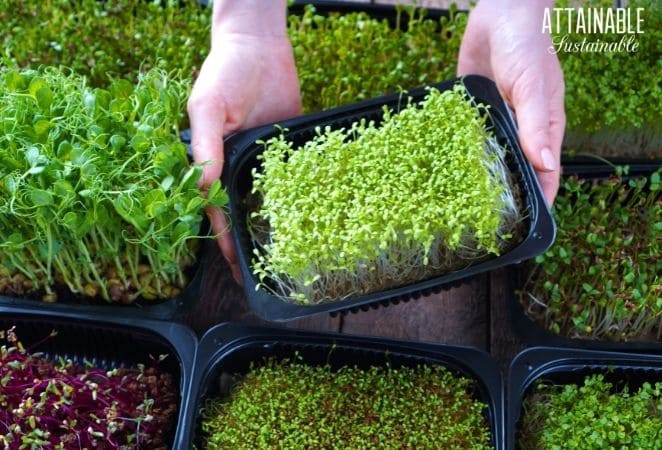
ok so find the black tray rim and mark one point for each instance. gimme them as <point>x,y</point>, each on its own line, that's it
<point>540,236</point>
<point>536,362</point>
<point>535,335</point>
<point>169,309</point>
<point>225,338</point>
<point>179,337</point>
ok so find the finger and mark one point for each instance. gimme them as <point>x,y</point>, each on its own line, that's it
<point>557,117</point>
<point>533,117</point>
<point>221,229</point>
<point>549,182</point>
<point>236,274</point>
<point>206,111</point>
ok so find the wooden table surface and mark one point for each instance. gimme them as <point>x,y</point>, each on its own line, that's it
<point>473,314</point>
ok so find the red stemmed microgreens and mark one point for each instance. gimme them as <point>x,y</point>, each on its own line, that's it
<point>46,404</point>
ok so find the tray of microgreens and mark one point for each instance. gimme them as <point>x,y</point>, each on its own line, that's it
<point>248,392</point>
<point>381,200</point>
<point>69,381</point>
<point>100,204</point>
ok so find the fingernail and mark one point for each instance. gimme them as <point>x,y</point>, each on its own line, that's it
<point>548,160</point>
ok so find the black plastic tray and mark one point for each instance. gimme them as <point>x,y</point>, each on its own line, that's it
<point>158,309</point>
<point>532,333</point>
<point>570,366</point>
<point>231,348</point>
<point>241,151</point>
<point>110,343</point>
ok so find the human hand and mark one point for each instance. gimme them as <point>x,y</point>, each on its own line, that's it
<point>504,41</point>
<point>248,79</point>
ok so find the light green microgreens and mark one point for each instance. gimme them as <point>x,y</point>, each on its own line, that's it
<point>97,190</point>
<point>596,415</point>
<point>360,209</point>
<point>294,406</point>
<point>601,279</point>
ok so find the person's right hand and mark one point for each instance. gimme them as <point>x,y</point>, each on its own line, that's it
<point>248,79</point>
<point>504,41</point>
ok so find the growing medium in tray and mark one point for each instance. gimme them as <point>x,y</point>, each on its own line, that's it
<point>59,404</point>
<point>601,279</point>
<point>597,414</point>
<point>358,210</point>
<point>293,405</point>
<point>98,196</point>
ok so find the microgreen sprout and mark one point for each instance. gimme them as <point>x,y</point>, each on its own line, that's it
<point>292,405</point>
<point>361,209</point>
<point>601,278</point>
<point>97,191</point>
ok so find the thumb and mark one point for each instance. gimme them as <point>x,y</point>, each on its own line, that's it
<point>533,117</point>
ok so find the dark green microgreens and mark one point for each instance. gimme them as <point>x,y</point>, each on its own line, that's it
<point>97,190</point>
<point>612,111</point>
<point>358,210</point>
<point>109,39</point>
<point>594,416</point>
<point>345,58</point>
<point>292,406</point>
<point>601,279</point>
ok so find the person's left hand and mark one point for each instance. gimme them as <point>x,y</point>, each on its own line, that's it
<point>248,79</point>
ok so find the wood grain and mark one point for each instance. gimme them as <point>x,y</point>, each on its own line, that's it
<point>504,343</point>
<point>457,316</point>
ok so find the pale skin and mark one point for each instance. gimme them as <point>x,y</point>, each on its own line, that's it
<point>249,79</point>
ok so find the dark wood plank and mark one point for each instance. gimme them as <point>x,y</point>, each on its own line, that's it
<point>319,322</point>
<point>504,343</point>
<point>457,316</point>
<point>223,300</point>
